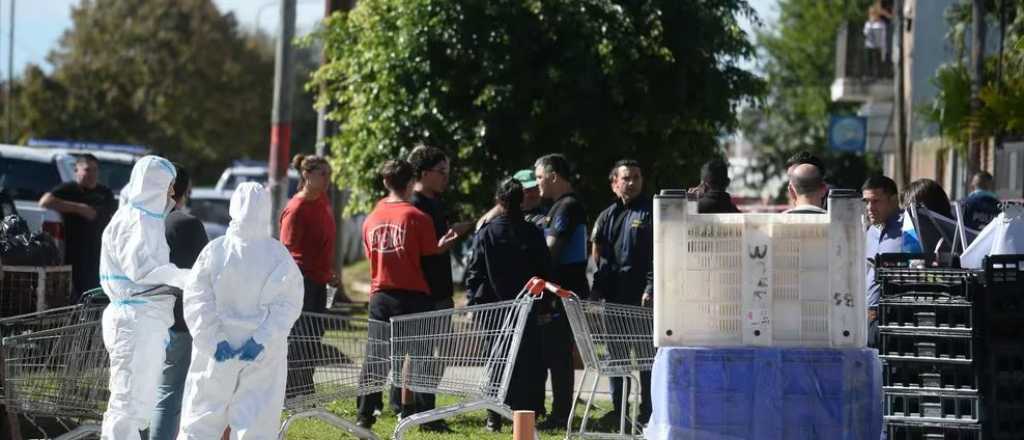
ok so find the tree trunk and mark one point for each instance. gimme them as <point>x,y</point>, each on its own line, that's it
<point>977,142</point>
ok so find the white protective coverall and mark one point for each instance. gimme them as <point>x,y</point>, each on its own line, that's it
<point>134,257</point>
<point>244,285</point>
<point>1004,235</point>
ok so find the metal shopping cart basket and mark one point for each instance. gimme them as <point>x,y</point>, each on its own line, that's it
<point>55,371</point>
<point>333,357</point>
<point>57,379</point>
<point>91,309</point>
<point>614,341</point>
<point>468,352</point>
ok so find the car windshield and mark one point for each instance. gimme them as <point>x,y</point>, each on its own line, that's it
<point>27,179</point>
<point>115,175</point>
<point>210,210</point>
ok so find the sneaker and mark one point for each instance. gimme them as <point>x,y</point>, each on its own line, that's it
<point>493,424</point>
<point>609,422</point>
<point>553,424</point>
<point>365,422</point>
<point>439,426</point>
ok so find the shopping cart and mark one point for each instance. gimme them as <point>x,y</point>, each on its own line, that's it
<point>56,379</point>
<point>56,369</point>
<point>90,310</point>
<point>614,341</point>
<point>334,357</point>
<point>468,352</point>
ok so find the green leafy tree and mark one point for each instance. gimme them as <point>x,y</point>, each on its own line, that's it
<point>798,54</point>
<point>498,83</point>
<point>175,75</point>
<point>1002,101</point>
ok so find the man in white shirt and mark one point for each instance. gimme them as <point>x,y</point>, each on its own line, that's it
<point>806,189</point>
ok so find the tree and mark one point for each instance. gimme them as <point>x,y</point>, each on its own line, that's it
<point>1001,97</point>
<point>799,55</point>
<point>175,75</point>
<point>498,83</point>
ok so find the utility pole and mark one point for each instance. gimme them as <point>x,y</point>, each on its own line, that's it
<point>976,141</point>
<point>338,196</point>
<point>281,118</point>
<point>10,77</point>
<point>902,159</point>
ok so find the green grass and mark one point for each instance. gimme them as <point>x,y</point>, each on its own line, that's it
<point>465,426</point>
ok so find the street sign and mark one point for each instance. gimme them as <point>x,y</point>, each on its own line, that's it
<point>847,133</point>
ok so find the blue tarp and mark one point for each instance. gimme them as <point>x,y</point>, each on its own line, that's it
<point>766,394</point>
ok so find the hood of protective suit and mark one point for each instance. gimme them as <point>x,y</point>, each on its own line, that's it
<point>147,188</point>
<point>1004,235</point>
<point>250,211</point>
<point>134,256</point>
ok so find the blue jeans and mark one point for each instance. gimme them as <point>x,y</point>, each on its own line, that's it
<point>167,415</point>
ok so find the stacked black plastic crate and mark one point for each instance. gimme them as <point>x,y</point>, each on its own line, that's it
<point>931,350</point>
<point>1003,339</point>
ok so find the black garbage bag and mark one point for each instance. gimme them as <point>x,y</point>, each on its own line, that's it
<point>20,247</point>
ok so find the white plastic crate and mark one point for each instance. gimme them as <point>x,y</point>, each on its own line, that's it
<point>758,279</point>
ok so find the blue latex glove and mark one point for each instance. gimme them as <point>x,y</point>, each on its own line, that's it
<point>250,350</point>
<point>224,352</point>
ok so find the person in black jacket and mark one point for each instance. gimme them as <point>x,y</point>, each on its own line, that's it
<point>186,237</point>
<point>508,251</point>
<point>714,179</point>
<point>623,249</point>
<point>982,205</point>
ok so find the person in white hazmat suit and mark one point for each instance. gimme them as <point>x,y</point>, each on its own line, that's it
<point>134,264</point>
<point>242,298</point>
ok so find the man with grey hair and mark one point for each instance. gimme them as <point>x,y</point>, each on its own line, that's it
<point>806,189</point>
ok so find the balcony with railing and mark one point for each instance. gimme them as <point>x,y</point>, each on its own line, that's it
<point>862,74</point>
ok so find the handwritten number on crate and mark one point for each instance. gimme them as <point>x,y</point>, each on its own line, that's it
<point>843,299</point>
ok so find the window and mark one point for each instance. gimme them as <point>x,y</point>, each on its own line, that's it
<point>115,175</point>
<point>210,210</point>
<point>27,179</point>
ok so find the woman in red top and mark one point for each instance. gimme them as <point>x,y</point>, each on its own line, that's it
<point>307,230</point>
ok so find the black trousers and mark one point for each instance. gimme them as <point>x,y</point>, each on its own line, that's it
<point>526,388</point>
<point>556,348</point>
<point>383,306</point>
<point>301,366</point>
<point>620,347</point>
<point>424,401</point>
<point>645,395</point>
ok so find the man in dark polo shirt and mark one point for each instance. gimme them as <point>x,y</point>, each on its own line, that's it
<point>87,206</point>
<point>565,231</point>
<point>623,244</point>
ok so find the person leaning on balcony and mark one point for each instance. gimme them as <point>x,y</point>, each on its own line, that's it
<point>874,39</point>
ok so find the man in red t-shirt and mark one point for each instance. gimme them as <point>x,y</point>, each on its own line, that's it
<point>396,236</point>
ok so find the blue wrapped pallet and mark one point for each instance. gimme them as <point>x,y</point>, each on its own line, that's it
<point>765,394</point>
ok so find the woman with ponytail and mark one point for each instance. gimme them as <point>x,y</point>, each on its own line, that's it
<point>308,231</point>
<point>507,252</point>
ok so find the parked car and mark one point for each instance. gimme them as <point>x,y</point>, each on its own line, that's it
<point>26,173</point>
<point>252,171</point>
<point>211,206</point>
